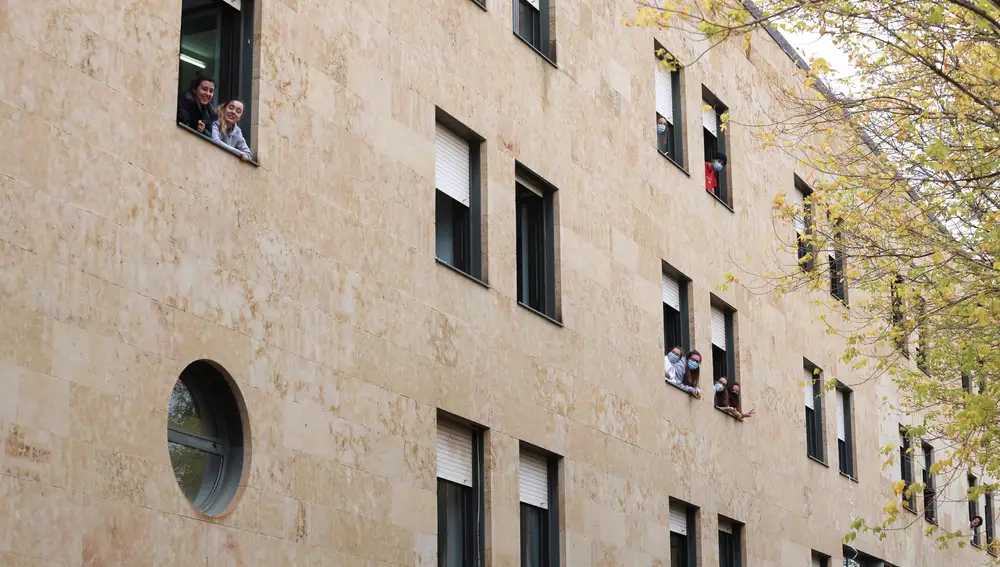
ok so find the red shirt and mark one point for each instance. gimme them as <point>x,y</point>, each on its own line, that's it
<point>710,181</point>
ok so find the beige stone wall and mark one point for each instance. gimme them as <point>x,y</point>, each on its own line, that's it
<point>128,249</point>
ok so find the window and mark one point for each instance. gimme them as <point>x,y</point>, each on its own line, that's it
<point>674,288</point>
<point>838,279</point>
<point>990,525</point>
<point>670,142</point>
<point>683,536</point>
<point>974,511</point>
<point>205,436</point>
<point>536,246</point>
<point>533,24</point>
<point>217,42</point>
<point>812,388</point>
<point>819,560</point>
<point>459,494</point>
<point>856,558</point>
<point>458,200</point>
<point>930,510</point>
<point>723,351</point>
<point>897,316</point>
<point>730,550</point>
<point>906,469</point>
<point>803,224</point>
<point>966,382</point>
<point>716,183</point>
<point>539,509</point>
<point>920,338</point>
<point>845,443</point>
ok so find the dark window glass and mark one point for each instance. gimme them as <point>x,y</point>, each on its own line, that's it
<point>536,250</point>
<point>845,447</point>
<point>720,367</point>
<point>533,25</point>
<point>814,422</point>
<point>990,527</point>
<point>678,550</point>
<point>838,284</point>
<point>897,316</point>
<point>216,42</point>
<point>205,437</point>
<point>906,466</point>
<point>452,232</point>
<point>534,536</point>
<point>456,523</point>
<point>803,229</point>
<point>727,549</point>
<point>930,510</point>
<point>973,512</point>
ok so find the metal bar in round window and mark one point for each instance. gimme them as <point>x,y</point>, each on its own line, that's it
<point>194,441</point>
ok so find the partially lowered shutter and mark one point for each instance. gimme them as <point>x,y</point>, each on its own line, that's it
<point>451,165</point>
<point>841,428</point>
<point>454,453</point>
<point>816,562</point>
<point>807,390</point>
<point>534,4</point>
<point>664,93</point>
<point>534,479</point>
<point>799,201</point>
<point>725,526</point>
<point>238,4</point>
<point>671,292</point>
<point>719,328</point>
<point>678,519</point>
<point>710,120</point>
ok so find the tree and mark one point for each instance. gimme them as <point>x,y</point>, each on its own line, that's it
<point>906,156</point>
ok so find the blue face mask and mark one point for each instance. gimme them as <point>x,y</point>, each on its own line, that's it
<point>661,128</point>
<point>692,365</point>
<point>673,358</point>
<point>717,165</point>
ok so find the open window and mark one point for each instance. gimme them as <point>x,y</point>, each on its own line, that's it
<point>717,181</point>
<point>459,493</point>
<point>538,478</point>
<point>217,43</point>
<point>930,491</point>
<point>683,535</point>
<point>898,319</point>
<point>730,543</point>
<point>906,469</point>
<point>803,224</point>
<point>974,512</point>
<point>674,291</point>
<point>812,389</point>
<point>845,431</point>
<point>669,125</point>
<point>533,24</point>
<point>536,243</point>
<point>838,278</point>
<point>458,196</point>
<point>723,347</point>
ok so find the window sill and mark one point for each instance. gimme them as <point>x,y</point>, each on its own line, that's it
<point>461,273</point>
<point>198,134</point>
<point>552,320</point>
<point>910,510</point>
<point>672,385</point>
<point>673,161</point>
<point>720,201</point>
<point>535,49</point>
<point>727,414</point>
<point>847,476</point>
<point>815,460</point>
<point>931,521</point>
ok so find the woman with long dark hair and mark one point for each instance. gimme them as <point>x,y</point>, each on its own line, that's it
<point>226,130</point>
<point>194,109</point>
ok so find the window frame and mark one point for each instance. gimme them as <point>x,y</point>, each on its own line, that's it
<point>804,247</point>
<point>471,243</point>
<point>723,191</point>
<point>846,454</point>
<point>220,405</point>
<point>691,538</point>
<point>821,558</point>
<point>551,537</point>
<point>237,33</point>
<point>815,440</point>
<point>989,523</point>
<point>730,367</point>
<point>976,539</point>
<point>735,543</point>
<point>683,328</point>
<point>906,469</point>
<point>475,504</point>
<point>546,43</point>
<point>543,253</point>
<point>837,263</point>
<point>930,491</point>
<point>671,144</point>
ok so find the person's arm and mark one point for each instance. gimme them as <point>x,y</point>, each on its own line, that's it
<point>217,138</point>
<point>241,143</point>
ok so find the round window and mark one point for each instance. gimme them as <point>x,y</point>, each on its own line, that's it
<point>205,436</point>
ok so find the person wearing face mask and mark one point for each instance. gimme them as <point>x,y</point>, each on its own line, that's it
<point>661,134</point>
<point>194,109</point>
<point>226,130</point>
<point>674,364</point>
<point>712,170</point>
<point>720,389</point>
<point>729,402</point>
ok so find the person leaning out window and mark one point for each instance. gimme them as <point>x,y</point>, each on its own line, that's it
<point>194,108</point>
<point>226,130</point>
<point>682,372</point>
<point>712,170</point>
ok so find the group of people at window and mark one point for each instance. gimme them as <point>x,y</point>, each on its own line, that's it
<point>220,123</point>
<point>713,167</point>
<point>684,372</point>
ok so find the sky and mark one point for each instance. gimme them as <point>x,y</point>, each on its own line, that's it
<point>811,45</point>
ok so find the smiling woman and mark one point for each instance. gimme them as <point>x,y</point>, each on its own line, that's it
<point>216,41</point>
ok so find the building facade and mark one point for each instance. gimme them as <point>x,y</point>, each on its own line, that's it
<point>428,314</point>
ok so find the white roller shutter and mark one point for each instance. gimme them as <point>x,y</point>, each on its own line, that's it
<point>664,93</point>
<point>534,479</point>
<point>529,185</point>
<point>841,428</point>
<point>710,120</point>
<point>816,562</point>
<point>534,4</point>
<point>798,200</point>
<point>678,519</point>
<point>454,453</point>
<point>238,4</point>
<point>451,165</point>
<point>725,526</point>
<point>807,390</point>
<point>719,328</point>
<point>671,292</point>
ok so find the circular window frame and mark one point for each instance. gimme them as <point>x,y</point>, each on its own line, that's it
<point>221,407</point>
